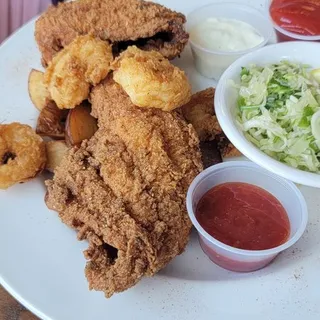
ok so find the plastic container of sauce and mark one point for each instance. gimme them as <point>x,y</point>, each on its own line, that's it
<point>222,32</point>
<point>245,215</point>
<point>295,19</point>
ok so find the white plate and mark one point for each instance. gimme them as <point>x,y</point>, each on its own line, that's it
<point>41,262</point>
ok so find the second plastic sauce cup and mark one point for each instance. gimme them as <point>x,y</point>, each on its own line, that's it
<point>212,64</point>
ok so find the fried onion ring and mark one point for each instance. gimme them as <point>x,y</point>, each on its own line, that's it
<point>22,154</point>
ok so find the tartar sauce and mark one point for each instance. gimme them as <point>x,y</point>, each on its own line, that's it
<point>221,34</point>
<point>217,42</point>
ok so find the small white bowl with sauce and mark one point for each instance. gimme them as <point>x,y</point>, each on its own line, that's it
<point>220,33</point>
<point>248,173</point>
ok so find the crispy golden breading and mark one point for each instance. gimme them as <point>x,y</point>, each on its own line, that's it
<point>227,149</point>
<point>150,80</point>
<point>148,25</point>
<point>124,190</point>
<point>199,111</point>
<point>22,154</point>
<point>84,62</point>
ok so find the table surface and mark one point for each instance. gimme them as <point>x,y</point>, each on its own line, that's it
<point>10,309</point>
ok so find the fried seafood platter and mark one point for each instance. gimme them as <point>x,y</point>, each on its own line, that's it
<point>118,131</point>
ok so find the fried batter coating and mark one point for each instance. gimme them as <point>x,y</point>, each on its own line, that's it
<point>22,154</point>
<point>201,114</point>
<point>150,80</point>
<point>227,149</point>
<point>147,25</point>
<point>199,111</point>
<point>124,190</point>
<point>84,62</point>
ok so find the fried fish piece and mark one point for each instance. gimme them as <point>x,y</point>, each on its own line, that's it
<point>227,149</point>
<point>147,25</point>
<point>199,111</point>
<point>210,153</point>
<point>150,80</point>
<point>201,114</point>
<point>124,190</point>
<point>84,62</point>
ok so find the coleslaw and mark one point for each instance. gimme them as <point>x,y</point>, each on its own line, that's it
<point>279,112</point>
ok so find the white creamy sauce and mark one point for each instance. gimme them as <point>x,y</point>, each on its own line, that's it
<point>220,34</point>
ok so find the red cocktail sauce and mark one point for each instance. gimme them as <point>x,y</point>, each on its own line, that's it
<point>297,16</point>
<point>243,216</point>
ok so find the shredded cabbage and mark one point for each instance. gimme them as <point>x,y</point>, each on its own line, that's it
<point>279,112</point>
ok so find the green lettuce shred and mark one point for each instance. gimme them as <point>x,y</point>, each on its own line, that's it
<point>279,112</point>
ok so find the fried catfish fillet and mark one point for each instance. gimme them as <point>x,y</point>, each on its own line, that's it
<point>199,111</point>
<point>147,25</point>
<point>124,190</point>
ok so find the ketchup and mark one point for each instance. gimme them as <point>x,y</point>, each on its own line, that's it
<point>243,216</point>
<point>297,16</point>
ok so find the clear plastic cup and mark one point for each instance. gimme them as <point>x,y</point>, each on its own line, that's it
<point>245,171</point>
<point>284,35</point>
<point>212,64</point>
